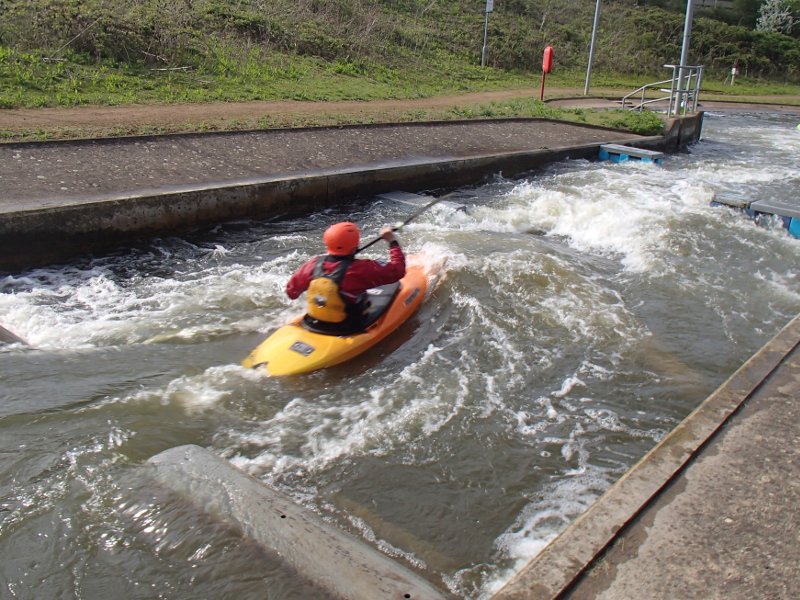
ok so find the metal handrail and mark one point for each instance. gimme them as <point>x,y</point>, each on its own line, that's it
<point>643,89</point>
<point>684,90</point>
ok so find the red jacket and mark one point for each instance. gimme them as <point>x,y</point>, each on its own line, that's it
<point>362,274</point>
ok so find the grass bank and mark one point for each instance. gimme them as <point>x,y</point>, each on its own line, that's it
<point>33,81</point>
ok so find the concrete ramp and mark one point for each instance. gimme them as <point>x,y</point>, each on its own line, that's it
<point>8,337</point>
<point>710,512</point>
<point>337,562</point>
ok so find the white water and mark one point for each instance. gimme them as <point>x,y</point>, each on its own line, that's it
<point>584,312</point>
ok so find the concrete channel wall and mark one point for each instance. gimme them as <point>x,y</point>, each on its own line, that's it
<point>697,487</point>
<point>339,564</point>
<point>59,230</point>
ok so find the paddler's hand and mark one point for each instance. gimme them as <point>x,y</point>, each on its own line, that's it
<point>387,233</point>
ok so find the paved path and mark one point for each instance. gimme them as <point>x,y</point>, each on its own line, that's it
<point>705,105</point>
<point>110,120</point>
<point>38,175</point>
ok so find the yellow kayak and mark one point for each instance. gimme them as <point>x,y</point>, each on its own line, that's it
<point>293,349</point>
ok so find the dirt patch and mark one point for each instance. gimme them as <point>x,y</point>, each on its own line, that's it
<point>220,115</point>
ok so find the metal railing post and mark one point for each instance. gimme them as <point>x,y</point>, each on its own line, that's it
<point>672,110</point>
<point>697,83</point>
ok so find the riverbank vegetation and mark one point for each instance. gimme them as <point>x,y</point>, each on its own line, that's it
<point>71,52</point>
<point>67,52</point>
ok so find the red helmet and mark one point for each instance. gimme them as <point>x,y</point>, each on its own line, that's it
<point>342,239</point>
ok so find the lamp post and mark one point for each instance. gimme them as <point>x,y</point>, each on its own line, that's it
<point>485,51</point>
<point>687,32</point>
<point>591,47</point>
<point>687,37</point>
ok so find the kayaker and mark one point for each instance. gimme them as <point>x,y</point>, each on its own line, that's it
<point>337,282</point>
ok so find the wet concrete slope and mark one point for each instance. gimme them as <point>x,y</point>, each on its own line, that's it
<point>711,512</point>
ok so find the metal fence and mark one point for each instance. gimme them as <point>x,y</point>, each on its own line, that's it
<point>680,92</point>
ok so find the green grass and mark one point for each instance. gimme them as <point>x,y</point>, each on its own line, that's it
<point>643,123</point>
<point>747,87</point>
<point>29,80</point>
<point>229,73</point>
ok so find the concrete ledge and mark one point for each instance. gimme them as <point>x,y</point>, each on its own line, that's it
<point>682,131</point>
<point>38,236</point>
<point>338,563</point>
<point>566,558</point>
<point>9,337</point>
<point>48,230</point>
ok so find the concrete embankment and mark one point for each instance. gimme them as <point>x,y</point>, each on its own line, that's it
<point>339,564</point>
<point>711,512</point>
<point>62,199</point>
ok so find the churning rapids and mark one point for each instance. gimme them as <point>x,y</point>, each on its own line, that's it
<point>584,312</point>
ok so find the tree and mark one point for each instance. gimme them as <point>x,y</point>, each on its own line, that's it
<point>775,16</point>
<point>746,11</point>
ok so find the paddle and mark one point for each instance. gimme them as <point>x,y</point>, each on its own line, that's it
<point>407,221</point>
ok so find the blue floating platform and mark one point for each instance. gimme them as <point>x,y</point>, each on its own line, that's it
<point>618,153</point>
<point>788,212</point>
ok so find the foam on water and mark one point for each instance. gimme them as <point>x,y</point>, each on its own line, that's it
<point>622,211</point>
<point>563,312</point>
<point>96,306</point>
<point>557,505</point>
<point>736,171</point>
<point>312,433</point>
<point>636,213</point>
